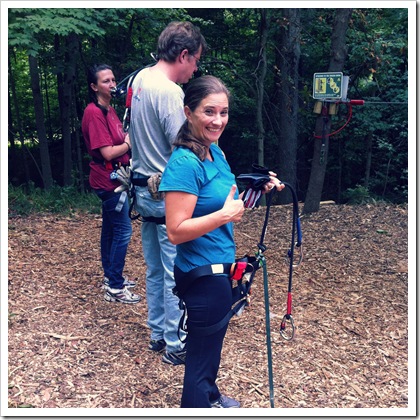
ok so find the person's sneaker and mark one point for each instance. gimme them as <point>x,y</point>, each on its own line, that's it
<point>127,283</point>
<point>157,345</point>
<point>225,402</point>
<point>175,358</point>
<point>120,295</point>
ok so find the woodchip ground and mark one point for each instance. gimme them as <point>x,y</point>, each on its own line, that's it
<point>68,348</point>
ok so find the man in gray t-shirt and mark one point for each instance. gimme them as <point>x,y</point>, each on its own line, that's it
<point>157,113</point>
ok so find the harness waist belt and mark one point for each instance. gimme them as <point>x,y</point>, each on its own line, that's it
<point>195,273</point>
<point>106,195</point>
<point>209,269</point>
<point>157,220</point>
<point>140,182</point>
<point>97,160</point>
<point>235,271</point>
<point>110,164</point>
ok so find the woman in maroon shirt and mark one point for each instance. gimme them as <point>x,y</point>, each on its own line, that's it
<point>110,149</point>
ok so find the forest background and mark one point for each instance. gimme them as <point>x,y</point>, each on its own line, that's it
<point>267,57</point>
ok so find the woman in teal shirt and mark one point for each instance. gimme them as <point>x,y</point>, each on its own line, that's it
<point>202,203</point>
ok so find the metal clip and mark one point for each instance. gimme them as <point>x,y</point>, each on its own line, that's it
<point>286,318</point>
<point>300,249</point>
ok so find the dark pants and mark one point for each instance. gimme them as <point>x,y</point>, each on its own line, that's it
<point>208,300</point>
<point>115,237</point>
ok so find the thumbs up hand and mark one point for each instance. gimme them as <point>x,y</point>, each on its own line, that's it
<point>234,209</point>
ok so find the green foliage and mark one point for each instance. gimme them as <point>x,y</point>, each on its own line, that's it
<point>28,27</point>
<point>65,200</point>
<point>377,64</point>
<point>358,195</point>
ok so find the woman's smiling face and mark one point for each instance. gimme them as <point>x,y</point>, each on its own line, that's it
<point>209,119</point>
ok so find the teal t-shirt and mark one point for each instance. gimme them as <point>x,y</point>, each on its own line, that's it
<point>211,183</point>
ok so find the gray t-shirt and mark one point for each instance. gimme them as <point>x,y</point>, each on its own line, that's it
<point>157,114</point>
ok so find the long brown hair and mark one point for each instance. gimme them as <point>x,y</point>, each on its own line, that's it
<point>196,91</point>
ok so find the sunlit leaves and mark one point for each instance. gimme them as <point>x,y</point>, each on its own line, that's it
<point>28,26</point>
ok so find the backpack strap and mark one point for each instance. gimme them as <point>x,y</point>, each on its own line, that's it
<point>129,97</point>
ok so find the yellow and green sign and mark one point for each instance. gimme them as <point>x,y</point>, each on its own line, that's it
<point>328,86</point>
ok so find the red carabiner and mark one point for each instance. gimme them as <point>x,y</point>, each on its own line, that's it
<point>288,317</point>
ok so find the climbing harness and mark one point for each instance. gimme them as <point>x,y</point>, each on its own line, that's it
<point>244,269</point>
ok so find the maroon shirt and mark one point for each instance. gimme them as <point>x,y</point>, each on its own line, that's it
<point>99,131</point>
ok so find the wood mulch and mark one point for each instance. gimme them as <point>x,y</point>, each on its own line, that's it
<point>68,348</point>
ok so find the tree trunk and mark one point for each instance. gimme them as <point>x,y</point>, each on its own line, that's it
<point>19,125</point>
<point>11,131</point>
<point>340,168</point>
<point>40,126</point>
<point>65,100</point>
<point>287,80</point>
<point>44,87</point>
<point>260,73</point>
<point>323,123</point>
<point>78,141</point>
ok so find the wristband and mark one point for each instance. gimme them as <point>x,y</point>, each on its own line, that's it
<point>129,147</point>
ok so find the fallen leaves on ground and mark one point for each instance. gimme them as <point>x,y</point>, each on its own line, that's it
<point>70,348</point>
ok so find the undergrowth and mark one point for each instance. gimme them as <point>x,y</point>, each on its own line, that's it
<point>23,201</point>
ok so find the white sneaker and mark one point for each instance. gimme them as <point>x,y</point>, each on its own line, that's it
<point>121,295</point>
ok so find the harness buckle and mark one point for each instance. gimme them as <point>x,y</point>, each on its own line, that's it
<point>241,270</point>
<point>237,270</point>
<point>248,297</point>
<point>217,268</point>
